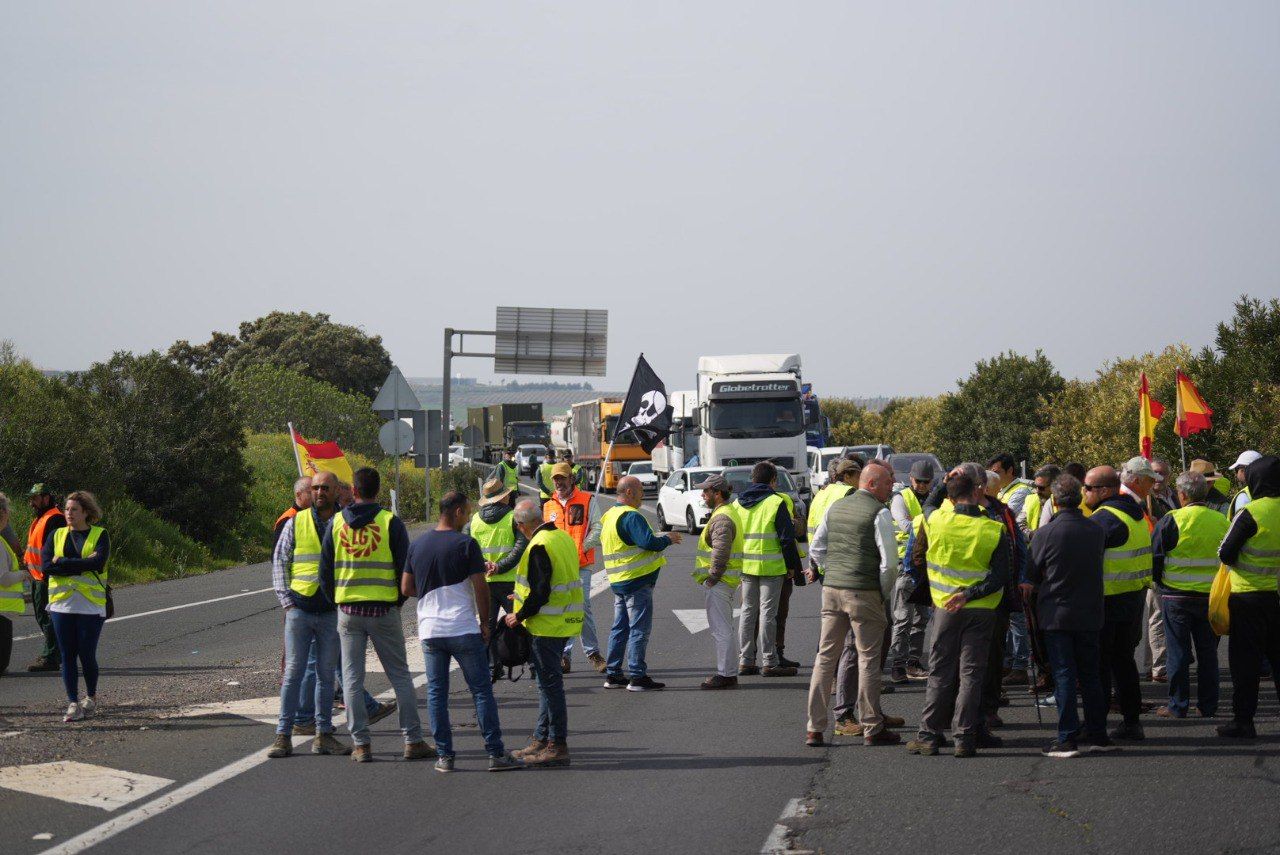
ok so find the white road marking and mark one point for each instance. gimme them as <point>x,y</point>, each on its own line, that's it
<point>167,609</point>
<point>695,620</point>
<point>265,710</point>
<point>81,783</point>
<point>778,843</point>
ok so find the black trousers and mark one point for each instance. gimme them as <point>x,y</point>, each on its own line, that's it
<point>6,642</point>
<point>498,593</point>
<point>1121,632</point>
<point>990,702</point>
<point>1255,636</point>
<point>784,608</point>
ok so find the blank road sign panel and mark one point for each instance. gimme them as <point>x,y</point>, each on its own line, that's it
<point>551,341</point>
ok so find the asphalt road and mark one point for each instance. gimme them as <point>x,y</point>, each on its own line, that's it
<point>675,771</point>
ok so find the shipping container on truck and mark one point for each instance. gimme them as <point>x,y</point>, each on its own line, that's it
<point>593,423</point>
<point>508,425</point>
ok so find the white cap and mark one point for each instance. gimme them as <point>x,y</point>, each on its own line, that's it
<point>1245,458</point>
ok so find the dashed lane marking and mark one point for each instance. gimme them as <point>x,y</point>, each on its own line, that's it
<point>81,783</point>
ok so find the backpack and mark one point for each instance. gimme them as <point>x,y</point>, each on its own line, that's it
<point>513,646</point>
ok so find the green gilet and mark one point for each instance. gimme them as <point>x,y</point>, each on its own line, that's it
<point>853,559</point>
<point>1192,564</point>
<point>959,555</point>
<point>822,502</point>
<point>561,616</point>
<point>1258,566</point>
<point>496,541</point>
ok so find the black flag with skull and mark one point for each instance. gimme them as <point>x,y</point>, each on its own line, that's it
<point>646,417</point>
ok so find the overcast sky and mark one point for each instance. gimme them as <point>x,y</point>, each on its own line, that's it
<point>893,191</point>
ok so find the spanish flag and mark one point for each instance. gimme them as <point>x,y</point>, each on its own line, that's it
<point>1193,413</point>
<point>316,457</point>
<point>1149,412</point>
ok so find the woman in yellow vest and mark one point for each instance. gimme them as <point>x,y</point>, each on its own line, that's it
<point>12,575</point>
<point>75,561</point>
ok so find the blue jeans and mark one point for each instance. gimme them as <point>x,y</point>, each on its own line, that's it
<point>632,618</point>
<point>308,637</point>
<point>473,659</point>
<point>553,713</point>
<point>1186,626</point>
<point>1019,646</point>
<point>590,643</point>
<point>307,689</point>
<point>1077,656</point>
<point>77,637</point>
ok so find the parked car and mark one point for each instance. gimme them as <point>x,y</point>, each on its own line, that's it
<point>739,477</point>
<point>680,498</point>
<point>902,463</point>
<point>819,460</point>
<point>871,452</point>
<point>644,471</point>
<point>463,454</point>
<point>528,457</point>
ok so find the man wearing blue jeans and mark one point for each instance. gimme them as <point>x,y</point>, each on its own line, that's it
<point>310,621</point>
<point>632,558</point>
<point>304,721</point>
<point>1065,573</point>
<point>446,572</point>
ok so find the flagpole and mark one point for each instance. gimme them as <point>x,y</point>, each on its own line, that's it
<point>1179,410</point>
<point>297,458</point>
<point>608,454</point>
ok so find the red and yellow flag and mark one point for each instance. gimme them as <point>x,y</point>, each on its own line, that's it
<point>316,457</point>
<point>1193,413</point>
<point>1149,412</point>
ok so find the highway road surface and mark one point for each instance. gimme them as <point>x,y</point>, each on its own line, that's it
<point>175,762</point>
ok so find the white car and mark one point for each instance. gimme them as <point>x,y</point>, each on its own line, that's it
<point>461,454</point>
<point>526,455</point>
<point>819,460</point>
<point>644,472</point>
<point>680,499</point>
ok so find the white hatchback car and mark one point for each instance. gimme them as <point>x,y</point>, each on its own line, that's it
<point>643,470</point>
<point>680,499</point>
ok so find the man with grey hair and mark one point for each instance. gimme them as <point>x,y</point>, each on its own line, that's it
<point>301,501</point>
<point>1184,561</point>
<point>1138,479</point>
<point>1065,574</point>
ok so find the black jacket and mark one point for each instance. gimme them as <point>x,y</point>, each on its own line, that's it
<point>1066,568</point>
<point>1263,478</point>
<point>540,572</point>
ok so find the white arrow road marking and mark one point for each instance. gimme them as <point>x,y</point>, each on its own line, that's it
<point>695,620</point>
<point>81,783</point>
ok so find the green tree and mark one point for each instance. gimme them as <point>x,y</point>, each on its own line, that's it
<point>852,424</point>
<point>997,408</point>
<point>911,424</point>
<point>310,344</point>
<point>48,433</point>
<point>1095,422</point>
<point>179,436</point>
<point>271,397</point>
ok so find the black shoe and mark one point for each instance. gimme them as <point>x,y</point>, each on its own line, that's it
<point>1130,731</point>
<point>1061,750</point>
<point>897,675</point>
<point>887,688</point>
<point>498,673</point>
<point>785,662</point>
<point>1237,730</point>
<point>986,739</point>
<point>644,684</point>
<point>615,681</point>
<point>45,663</point>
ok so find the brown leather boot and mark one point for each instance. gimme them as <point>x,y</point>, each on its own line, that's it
<point>362,754</point>
<point>535,747</point>
<point>419,750</point>
<point>555,754</point>
<point>281,747</point>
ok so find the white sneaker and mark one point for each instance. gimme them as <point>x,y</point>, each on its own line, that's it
<point>89,707</point>
<point>74,712</point>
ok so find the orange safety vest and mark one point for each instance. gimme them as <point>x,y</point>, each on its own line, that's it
<point>35,542</point>
<point>289,514</point>
<point>574,518</point>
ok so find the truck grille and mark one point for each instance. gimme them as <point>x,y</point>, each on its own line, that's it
<point>787,463</point>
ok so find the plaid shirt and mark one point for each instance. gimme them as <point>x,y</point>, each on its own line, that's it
<point>366,609</point>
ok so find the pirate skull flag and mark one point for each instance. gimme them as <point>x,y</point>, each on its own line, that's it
<point>646,417</point>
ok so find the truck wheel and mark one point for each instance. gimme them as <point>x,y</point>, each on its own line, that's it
<point>663,525</point>
<point>690,522</point>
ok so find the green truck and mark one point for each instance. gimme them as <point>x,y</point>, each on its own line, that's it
<point>507,426</point>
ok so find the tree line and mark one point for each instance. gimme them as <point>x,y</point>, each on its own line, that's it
<point>1021,404</point>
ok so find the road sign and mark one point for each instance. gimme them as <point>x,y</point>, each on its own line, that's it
<point>426,438</point>
<point>551,341</point>
<point>396,438</point>
<point>395,396</point>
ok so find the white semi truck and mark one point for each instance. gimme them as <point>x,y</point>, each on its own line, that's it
<point>750,409</point>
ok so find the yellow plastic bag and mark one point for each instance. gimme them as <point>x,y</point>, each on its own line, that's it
<point>1219,615</point>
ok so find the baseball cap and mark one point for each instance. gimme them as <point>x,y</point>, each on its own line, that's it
<point>1139,466</point>
<point>716,481</point>
<point>922,470</point>
<point>562,469</point>
<point>1245,458</point>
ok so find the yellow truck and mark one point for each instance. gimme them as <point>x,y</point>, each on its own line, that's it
<point>593,425</point>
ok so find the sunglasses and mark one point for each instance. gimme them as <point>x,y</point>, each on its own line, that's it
<point>1095,486</point>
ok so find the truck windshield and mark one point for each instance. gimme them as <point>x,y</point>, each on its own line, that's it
<point>523,432</point>
<point>743,419</point>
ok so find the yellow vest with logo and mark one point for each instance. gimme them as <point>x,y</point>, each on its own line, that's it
<point>304,577</point>
<point>561,616</point>
<point>1258,566</point>
<point>364,569</point>
<point>623,562</point>
<point>763,552</point>
<point>11,595</point>
<point>1127,567</point>
<point>959,555</point>
<point>90,587</point>
<point>1192,564</point>
<point>496,542</point>
<point>733,570</point>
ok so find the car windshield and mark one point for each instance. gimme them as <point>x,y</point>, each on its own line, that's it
<point>740,479</point>
<point>902,464</point>
<point>697,479</point>
<point>743,419</point>
<point>533,449</point>
<point>640,469</point>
